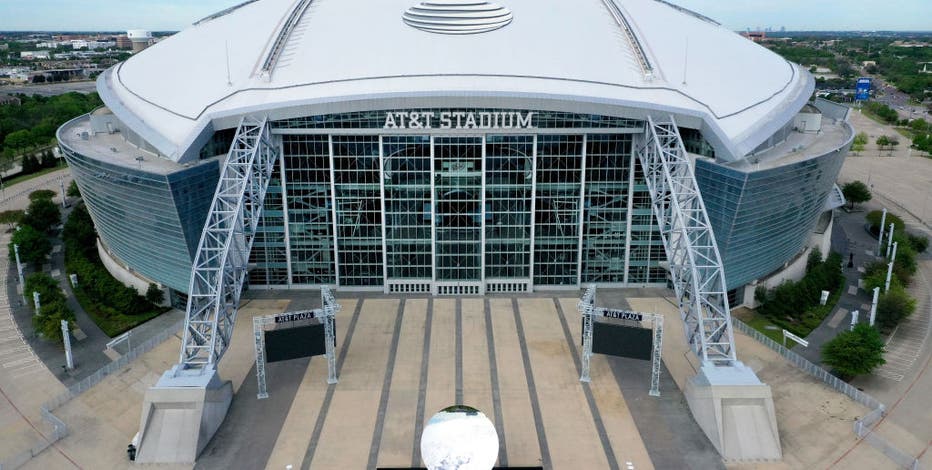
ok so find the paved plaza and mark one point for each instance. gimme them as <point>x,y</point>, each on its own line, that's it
<point>517,359</point>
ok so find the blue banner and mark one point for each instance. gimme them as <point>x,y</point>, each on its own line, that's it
<point>862,91</point>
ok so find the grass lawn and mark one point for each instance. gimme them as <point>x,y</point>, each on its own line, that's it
<point>759,323</point>
<point>20,179</point>
<point>113,325</point>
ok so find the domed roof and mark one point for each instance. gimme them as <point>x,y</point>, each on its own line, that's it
<point>639,56</point>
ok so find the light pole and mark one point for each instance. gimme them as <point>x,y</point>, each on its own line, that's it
<point>874,305</point>
<point>19,271</point>
<point>35,300</point>
<point>886,287</point>
<point>890,239</point>
<point>66,338</point>
<point>883,221</point>
<point>61,183</point>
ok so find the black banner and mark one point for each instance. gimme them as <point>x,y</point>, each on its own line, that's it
<point>622,340</point>
<point>293,343</point>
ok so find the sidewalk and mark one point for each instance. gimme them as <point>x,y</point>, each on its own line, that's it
<point>848,237</point>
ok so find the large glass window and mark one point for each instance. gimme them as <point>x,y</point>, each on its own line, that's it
<point>458,198</point>
<point>310,223</point>
<point>359,209</point>
<point>508,184</point>
<point>605,227</point>
<point>556,227</point>
<point>407,174</point>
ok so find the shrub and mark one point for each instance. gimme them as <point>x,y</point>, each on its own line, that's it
<point>893,306</point>
<point>854,352</point>
<point>873,218</point>
<point>795,305</point>
<point>73,190</point>
<point>41,194</point>
<point>918,242</point>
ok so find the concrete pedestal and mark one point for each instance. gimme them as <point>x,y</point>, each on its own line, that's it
<point>735,410</point>
<point>180,415</point>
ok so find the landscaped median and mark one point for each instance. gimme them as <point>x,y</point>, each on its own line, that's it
<point>114,307</point>
<point>795,305</point>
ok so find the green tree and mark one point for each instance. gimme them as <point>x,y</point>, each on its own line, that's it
<point>854,352</point>
<point>73,190</point>
<point>11,218</point>
<point>882,142</point>
<point>18,140</point>
<point>42,215</point>
<point>41,194</point>
<point>48,322</point>
<point>893,306</point>
<point>154,295</point>
<point>30,164</point>
<point>856,192</point>
<point>34,246</point>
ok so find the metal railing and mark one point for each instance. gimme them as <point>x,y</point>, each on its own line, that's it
<point>863,425</point>
<point>59,428</point>
<point>107,370</point>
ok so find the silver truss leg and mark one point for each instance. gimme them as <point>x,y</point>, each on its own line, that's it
<point>656,356</point>
<point>330,308</point>
<point>223,251</point>
<point>695,263</point>
<point>585,306</point>
<point>258,329</point>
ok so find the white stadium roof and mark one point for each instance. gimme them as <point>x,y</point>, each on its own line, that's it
<point>582,51</point>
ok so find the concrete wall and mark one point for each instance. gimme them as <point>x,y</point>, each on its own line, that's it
<point>125,275</point>
<point>795,269</point>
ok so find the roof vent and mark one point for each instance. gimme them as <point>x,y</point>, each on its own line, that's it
<point>457,16</point>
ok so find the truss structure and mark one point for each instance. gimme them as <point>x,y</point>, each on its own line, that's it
<point>588,310</point>
<point>329,308</point>
<point>695,264</point>
<point>220,263</point>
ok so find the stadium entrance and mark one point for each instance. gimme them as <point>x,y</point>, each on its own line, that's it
<point>549,201</point>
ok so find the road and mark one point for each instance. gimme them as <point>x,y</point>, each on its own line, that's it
<point>51,89</point>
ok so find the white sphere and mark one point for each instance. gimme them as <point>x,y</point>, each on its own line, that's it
<point>459,438</point>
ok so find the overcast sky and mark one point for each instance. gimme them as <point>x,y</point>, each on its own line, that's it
<point>160,15</point>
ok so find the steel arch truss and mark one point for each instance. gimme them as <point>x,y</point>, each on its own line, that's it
<point>220,263</point>
<point>695,265</point>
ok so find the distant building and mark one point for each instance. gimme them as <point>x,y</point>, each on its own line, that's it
<point>4,47</point>
<point>123,42</point>
<point>869,63</point>
<point>140,38</point>
<point>756,36</point>
<point>32,55</point>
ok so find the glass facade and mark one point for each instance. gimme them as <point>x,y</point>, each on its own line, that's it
<point>761,219</point>
<point>559,201</point>
<point>494,202</point>
<point>151,222</point>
